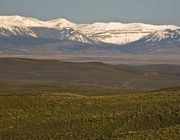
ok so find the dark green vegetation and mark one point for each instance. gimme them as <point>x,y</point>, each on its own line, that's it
<point>53,100</point>
<point>28,71</point>
<point>55,116</point>
<point>80,89</point>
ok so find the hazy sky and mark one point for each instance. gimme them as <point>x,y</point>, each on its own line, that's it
<point>88,11</point>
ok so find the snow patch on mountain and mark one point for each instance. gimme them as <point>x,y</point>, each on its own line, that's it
<point>7,30</point>
<point>119,33</point>
<point>62,23</point>
<point>19,20</point>
<point>160,41</point>
<point>163,34</point>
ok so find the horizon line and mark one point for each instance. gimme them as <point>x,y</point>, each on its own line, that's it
<point>158,24</point>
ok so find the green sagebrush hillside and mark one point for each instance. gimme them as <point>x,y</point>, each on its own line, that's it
<point>153,115</point>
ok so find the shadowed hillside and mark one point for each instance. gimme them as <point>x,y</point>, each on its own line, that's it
<point>29,71</point>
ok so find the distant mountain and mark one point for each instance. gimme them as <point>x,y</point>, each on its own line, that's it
<point>63,34</point>
<point>133,37</point>
<point>164,41</point>
<point>118,33</point>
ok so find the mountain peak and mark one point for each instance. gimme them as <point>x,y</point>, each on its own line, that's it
<point>21,20</point>
<point>62,23</point>
<point>59,20</point>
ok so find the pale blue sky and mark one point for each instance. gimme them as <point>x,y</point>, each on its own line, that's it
<point>88,11</point>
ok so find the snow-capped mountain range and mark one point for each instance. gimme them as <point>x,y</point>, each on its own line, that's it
<point>121,34</point>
